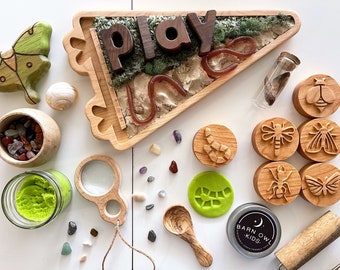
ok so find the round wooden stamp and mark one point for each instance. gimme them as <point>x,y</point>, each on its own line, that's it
<point>214,145</point>
<point>317,96</point>
<point>320,184</point>
<point>278,182</point>
<point>275,139</point>
<point>319,139</point>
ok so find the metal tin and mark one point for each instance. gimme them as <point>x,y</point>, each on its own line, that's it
<point>253,230</point>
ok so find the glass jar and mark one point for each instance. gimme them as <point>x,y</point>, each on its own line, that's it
<point>34,198</point>
<point>276,79</point>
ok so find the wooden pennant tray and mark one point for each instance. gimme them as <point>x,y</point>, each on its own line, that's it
<point>103,111</point>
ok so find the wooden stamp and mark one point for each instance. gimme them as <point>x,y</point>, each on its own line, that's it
<point>277,182</point>
<point>319,139</point>
<point>214,145</point>
<point>123,53</point>
<point>275,139</point>
<point>320,184</point>
<point>24,65</point>
<point>317,96</point>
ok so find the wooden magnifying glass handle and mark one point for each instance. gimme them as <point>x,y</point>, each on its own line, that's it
<point>112,195</point>
<point>311,241</point>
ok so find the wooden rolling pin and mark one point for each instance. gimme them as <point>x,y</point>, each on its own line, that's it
<point>309,242</point>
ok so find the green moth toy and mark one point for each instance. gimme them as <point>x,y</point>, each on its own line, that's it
<point>22,66</point>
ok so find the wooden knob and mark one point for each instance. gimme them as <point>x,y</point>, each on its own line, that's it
<point>277,183</point>
<point>320,184</point>
<point>275,139</point>
<point>317,96</point>
<point>319,139</point>
<point>215,145</point>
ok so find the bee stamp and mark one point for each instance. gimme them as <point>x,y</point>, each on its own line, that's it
<point>278,182</point>
<point>275,139</point>
<point>215,145</point>
<point>317,96</point>
<point>320,184</point>
<point>319,140</point>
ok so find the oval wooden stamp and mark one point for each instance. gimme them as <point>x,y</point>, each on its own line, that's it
<point>320,184</point>
<point>319,139</point>
<point>275,139</point>
<point>317,96</point>
<point>278,182</point>
<point>214,145</point>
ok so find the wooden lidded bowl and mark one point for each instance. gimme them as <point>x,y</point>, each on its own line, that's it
<point>50,136</point>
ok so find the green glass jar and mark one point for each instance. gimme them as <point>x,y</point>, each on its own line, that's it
<point>34,198</point>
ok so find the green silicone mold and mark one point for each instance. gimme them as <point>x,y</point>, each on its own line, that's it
<point>210,194</point>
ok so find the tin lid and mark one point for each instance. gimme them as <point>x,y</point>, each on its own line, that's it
<point>253,230</point>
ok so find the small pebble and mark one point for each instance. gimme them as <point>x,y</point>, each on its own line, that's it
<point>83,258</point>
<point>14,147</point>
<point>72,228</point>
<point>12,133</point>
<point>5,141</point>
<point>155,149</point>
<point>143,170</point>
<point>66,250</point>
<point>30,154</point>
<point>152,236</point>
<point>177,136</point>
<point>87,243</point>
<point>139,197</point>
<point>94,232</point>
<point>150,179</point>
<point>173,167</point>
<point>149,206</point>
<point>162,194</point>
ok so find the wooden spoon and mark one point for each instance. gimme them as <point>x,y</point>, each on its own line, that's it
<point>177,220</point>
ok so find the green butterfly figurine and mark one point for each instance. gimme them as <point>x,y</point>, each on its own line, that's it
<point>26,62</point>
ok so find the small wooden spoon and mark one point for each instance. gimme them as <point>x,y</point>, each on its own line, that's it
<point>177,220</point>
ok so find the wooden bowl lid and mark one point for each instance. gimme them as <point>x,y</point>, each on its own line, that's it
<point>319,139</point>
<point>277,182</point>
<point>320,184</point>
<point>214,145</point>
<point>275,139</point>
<point>317,96</point>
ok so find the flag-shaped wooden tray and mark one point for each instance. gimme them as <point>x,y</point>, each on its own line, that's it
<point>104,112</point>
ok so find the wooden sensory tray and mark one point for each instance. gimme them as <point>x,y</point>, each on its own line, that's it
<point>103,110</point>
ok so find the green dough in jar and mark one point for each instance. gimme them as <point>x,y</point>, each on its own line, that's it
<point>210,194</point>
<point>36,199</point>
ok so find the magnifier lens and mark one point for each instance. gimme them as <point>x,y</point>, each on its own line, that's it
<point>97,177</point>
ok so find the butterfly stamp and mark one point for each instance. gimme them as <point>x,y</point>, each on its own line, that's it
<point>26,62</point>
<point>320,184</point>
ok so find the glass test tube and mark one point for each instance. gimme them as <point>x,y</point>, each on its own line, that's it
<point>276,79</point>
